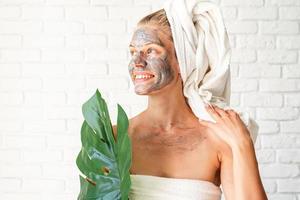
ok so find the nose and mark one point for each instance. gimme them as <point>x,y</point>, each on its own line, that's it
<point>139,60</point>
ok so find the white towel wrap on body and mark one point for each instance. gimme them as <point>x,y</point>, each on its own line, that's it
<point>146,187</point>
<point>203,52</point>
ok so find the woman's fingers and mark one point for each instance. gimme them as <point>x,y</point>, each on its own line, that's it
<point>213,112</point>
<point>220,111</point>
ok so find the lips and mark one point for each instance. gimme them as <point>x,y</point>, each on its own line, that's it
<point>142,76</point>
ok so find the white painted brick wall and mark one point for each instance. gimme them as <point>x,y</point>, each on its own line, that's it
<point>54,54</point>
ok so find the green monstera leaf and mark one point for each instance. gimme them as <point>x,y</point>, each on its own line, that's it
<point>104,161</point>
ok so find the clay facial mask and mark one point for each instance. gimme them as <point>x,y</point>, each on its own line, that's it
<point>149,67</point>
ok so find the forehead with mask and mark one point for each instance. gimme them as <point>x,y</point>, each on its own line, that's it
<point>153,62</point>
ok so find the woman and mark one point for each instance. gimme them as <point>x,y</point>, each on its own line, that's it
<point>176,154</point>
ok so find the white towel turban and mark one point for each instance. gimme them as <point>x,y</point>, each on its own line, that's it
<point>203,52</point>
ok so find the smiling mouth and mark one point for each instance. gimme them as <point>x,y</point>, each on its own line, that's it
<point>142,78</point>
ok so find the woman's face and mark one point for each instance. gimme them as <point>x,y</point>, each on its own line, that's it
<point>152,58</point>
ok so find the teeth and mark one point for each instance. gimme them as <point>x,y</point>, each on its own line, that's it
<point>142,76</point>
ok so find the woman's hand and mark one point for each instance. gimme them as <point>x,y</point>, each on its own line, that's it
<point>229,126</point>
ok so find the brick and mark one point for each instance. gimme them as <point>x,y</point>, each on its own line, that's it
<point>20,55</point>
<point>10,41</point>
<point>9,156</point>
<point>8,170</point>
<point>118,67</point>
<point>83,41</point>
<point>9,84</point>
<point>62,55</point>
<point>277,56</point>
<point>269,185</point>
<point>9,12</point>
<point>72,186</point>
<point>42,41</point>
<point>243,56</point>
<point>74,126</point>
<point>44,156</point>
<point>234,70</point>
<point>291,71</point>
<point>292,99</point>
<point>20,196</point>
<point>53,98</point>
<point>244,85</point>
<point>33,99</point>
<point>20,112</point>
<point>43,70</point>
<point>63,28</point>
<point>10,185</point>
<point>78,98</point>
<point>106,27</point>
<point>256,41</point>
<point>111,2</point>
<point>10,70</point>
<point>11,125</point>
<point>260,13</point>
<point>280,141</point>
<point>288,42</point>
<point>67,196</point>
<point>286,113</point>
<point>268,127</point>
<point>283,2</point>
<point>108,83</point>
<point>86,13</point>
<point>278,196</point>
<point>63,112</point>
<point>88,69</point>
<point>64,141</point>
<point>259,71</point>
<point>25,142</point>
<point>96,55</point>
<point>265,156</point>
<point>26,27</point>
<point>147,2</point>
<point>279,170</point>
<point>279,85</point>
<point>290,126</point>
<point>289,185</point>
<point>119,41</point>
<point>127,98</point>
<point>289,13</point>
<point>43,185</point>
<point>18,2</point>
<point>240,27</point>
<point>131,12</point>
<point>288,156</point>
<point>229,13</point>
<point>262,100</point>
<point>44,126</point>
<point>67,2</point>
<point>62,84</point>
<point>59,170</point>
<point>70,154</point>
<point>42,12</point>
<point>235,99</point>
<point>278,27</point>
<point>11,98</point>
<point>242,2</point>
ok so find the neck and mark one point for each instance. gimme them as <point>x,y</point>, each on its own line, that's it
<point>169,109</point>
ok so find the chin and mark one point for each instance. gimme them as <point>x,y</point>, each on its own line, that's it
<point>141,92</point>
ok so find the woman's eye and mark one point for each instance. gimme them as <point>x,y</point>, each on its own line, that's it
<point>150,50</point>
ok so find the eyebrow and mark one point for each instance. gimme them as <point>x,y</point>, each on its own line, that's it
<point>148,43</point>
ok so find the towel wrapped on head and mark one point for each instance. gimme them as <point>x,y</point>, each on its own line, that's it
<point>203,52</point>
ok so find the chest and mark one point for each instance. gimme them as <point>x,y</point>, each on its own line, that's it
<point>185,154</point>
